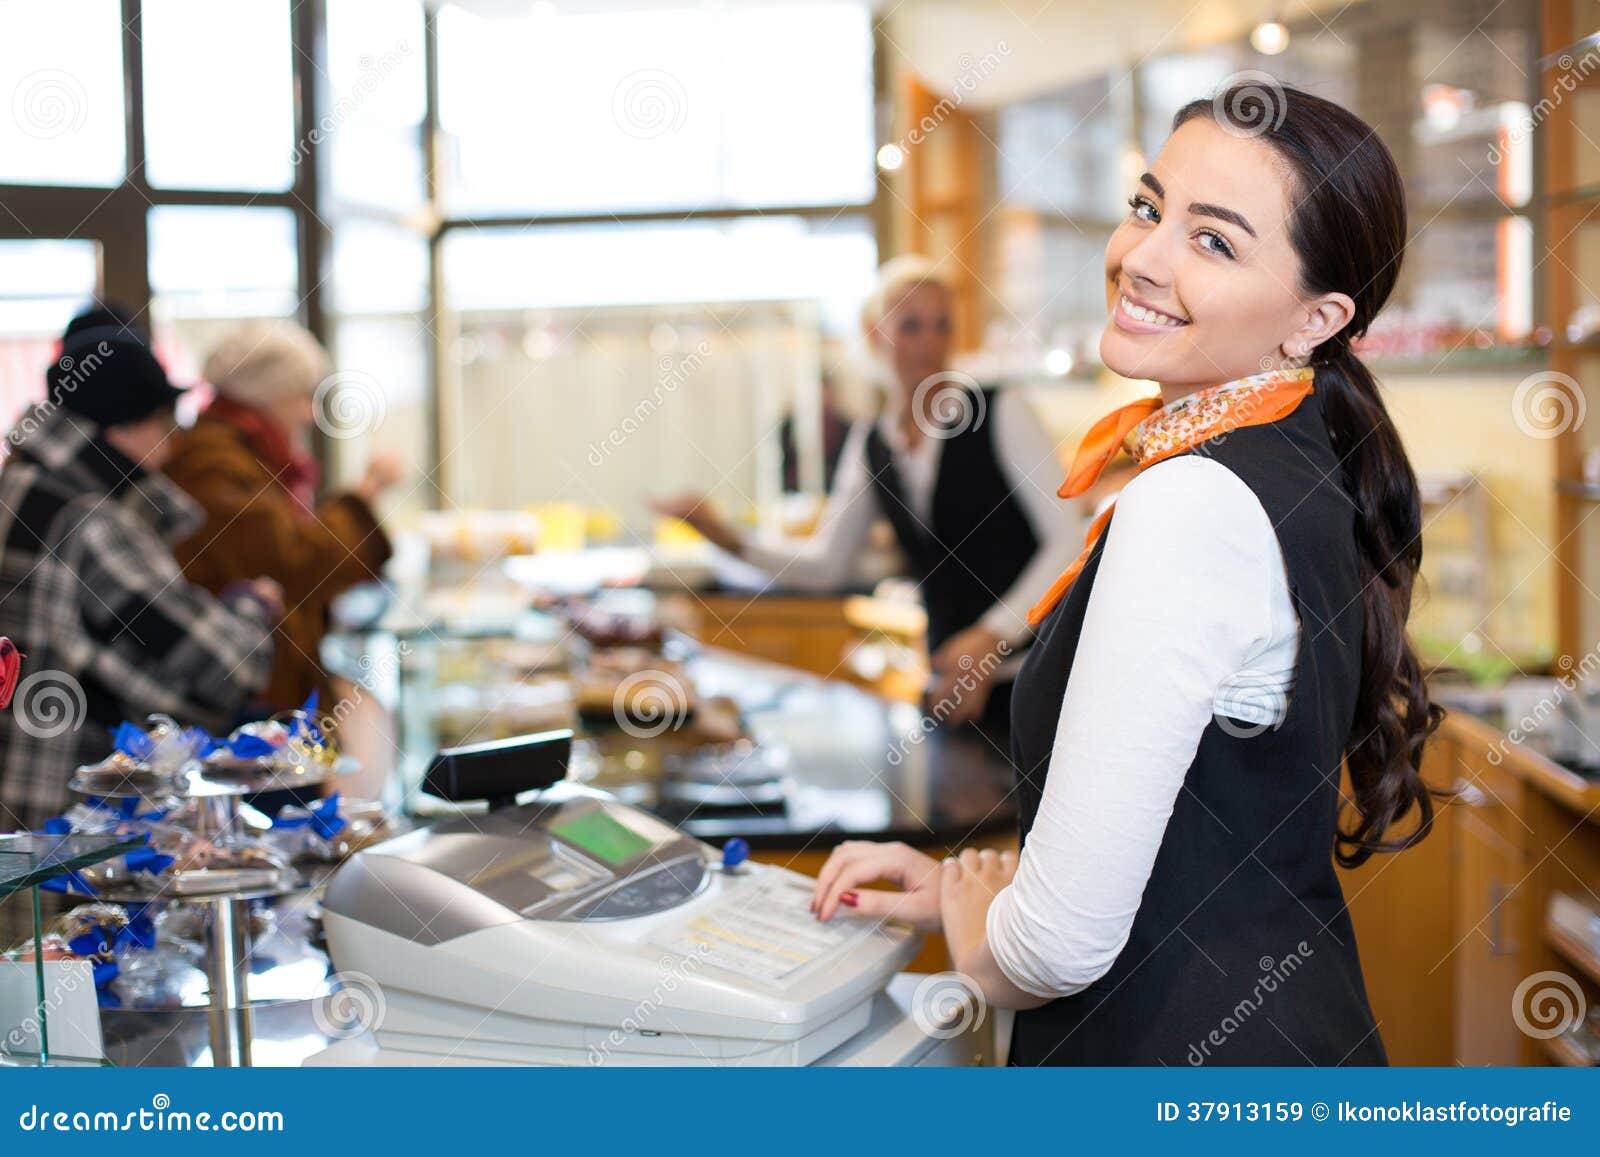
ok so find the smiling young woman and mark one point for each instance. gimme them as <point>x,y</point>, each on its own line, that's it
<point>1233,633</point>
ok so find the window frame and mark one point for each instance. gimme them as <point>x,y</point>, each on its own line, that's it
<point>117,218</point>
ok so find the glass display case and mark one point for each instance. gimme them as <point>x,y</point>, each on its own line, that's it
<point>40,991</point>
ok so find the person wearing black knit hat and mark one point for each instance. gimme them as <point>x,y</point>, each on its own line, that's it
<point>108,375</point>
<point>107,313</point>
<point>89,589</point>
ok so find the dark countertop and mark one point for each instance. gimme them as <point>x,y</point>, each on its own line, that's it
<point>851,764</point>
<point>855,766</point>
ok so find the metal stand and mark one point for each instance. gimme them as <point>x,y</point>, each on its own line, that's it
<point>230,1016</point>
<point>227,943</point>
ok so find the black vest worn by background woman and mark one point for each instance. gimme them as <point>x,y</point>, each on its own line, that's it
<point>1241,952</point>
<point>978,538</point>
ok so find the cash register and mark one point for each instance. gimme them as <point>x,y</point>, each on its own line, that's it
<point>574,929</point>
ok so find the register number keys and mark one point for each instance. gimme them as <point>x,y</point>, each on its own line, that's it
<point>765,932</point>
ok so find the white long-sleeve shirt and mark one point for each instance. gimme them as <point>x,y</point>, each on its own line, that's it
<point>1190,616</point>
<point>828,559</point>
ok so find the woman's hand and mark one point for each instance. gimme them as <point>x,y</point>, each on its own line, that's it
<point>976,648</point>
<point>954,699</point>
<point>264,593</point>
<point>967,886</point>
<point>858,862</point>
<point>383,472</point>
<point>696,510</point>
<point>963,669</point>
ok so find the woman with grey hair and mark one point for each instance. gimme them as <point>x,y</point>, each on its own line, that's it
<point>965,476</point>
<point>246,462</point>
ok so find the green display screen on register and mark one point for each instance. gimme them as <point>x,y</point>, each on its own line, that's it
<point>599,834</point>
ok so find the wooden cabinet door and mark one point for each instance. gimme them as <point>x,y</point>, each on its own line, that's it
<point>1488,960</point>
<point>1402,906</point>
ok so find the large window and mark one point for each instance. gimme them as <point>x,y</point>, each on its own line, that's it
<point>552,109</point>
<point>377,272</point>
<point>376,101</point>
<point>830,262</point>
<point>212,267</point>
<point>42,284</point>
<point>61,70</point>
<point>603,364</point>
<point>709,169</point>
<point>595,190</point>
<point>378,305</point>
<point>218,94</point>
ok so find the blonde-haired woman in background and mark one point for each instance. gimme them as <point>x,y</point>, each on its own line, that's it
<point>247,463</point>
<point>966,478</point>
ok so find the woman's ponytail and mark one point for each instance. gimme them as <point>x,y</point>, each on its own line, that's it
<point>1393,716</point>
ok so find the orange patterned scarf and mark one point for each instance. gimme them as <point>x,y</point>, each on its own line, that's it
<point>1152,433</point>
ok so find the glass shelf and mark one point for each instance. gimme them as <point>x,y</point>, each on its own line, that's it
<point>33,988</point>
<point>29,860</point>
<point>204,782</point>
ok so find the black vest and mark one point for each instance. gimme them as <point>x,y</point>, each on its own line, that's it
<point>1241,952</point>
<point>979,538</point>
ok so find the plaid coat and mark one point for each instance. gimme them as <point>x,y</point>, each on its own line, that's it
<point>91,593</point>
<point>255,526</point>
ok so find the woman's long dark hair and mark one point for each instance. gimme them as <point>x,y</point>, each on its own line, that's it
<point>1348,226</point>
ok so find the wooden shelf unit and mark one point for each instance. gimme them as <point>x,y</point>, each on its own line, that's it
<point>1569,29</point>
<point>1450,928</point>
<point>1575,952</point>
<point>1561,1051</point>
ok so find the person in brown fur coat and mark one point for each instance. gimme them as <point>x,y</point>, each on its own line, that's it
<point>246,463</point>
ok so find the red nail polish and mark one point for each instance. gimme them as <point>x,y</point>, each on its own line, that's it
<point>849,899</point>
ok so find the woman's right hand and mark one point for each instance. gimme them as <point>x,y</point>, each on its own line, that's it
<point>383,472</point>
<point>697,511</point>
<point>264,593</point>
<point>858,862</point>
